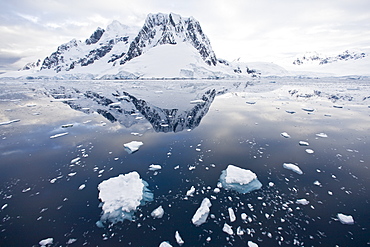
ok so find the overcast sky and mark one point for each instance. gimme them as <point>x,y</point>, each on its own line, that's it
<point>255,30</point>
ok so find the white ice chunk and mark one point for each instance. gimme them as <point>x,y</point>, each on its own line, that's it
<point>191,191</point>
<point>75,160</point>
<point>46,241</point>
<point>58,135</point>
<point>121,196</point>
<point>157,213</point>
<point>154,167</point>
<point>317,183</point>
<point>82,186</point>
<point>202,212</point>
<point>308,109</point>
<point>345,219</point>
<point>252,244</point>
<point>71,240</point>
<point>239,179</point>
<point>4,206</point>
<point>178,238</point>
<point>197,101</point>
<point>231,215</point>
<point>303,143</point>
<point>293,168</point>
<point>284,134</point>
<point>309,151</point>
<point>322,135</point>
<point>133,146</point>
<point>165,244</point>
<point>239,231</point>
<point>10,122</point>
<point>302,201</point>
<point>228,229</point>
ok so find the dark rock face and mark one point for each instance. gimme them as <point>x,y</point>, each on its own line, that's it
<point>162,29</point>
<point>95,36</point>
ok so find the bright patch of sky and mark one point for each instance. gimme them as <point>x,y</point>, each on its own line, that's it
<point>263,30</point>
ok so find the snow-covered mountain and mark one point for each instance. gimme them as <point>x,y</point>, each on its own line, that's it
<point>316,58</point>
<point>167,46</point>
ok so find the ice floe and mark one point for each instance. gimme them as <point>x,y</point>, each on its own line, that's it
<point>132,146</point>
<point>46,242</point>
<point>308,109</point>
<point>293,168</point>
<point>239,179</point>
<point>178,238</point>
<point>322,135</point>
<point>10,122</point>
<point>302,201</point>
<point>121,196</point>
<point>165,244</point>
<point>191,191</point>
<point>82,186</point>
<point>154,167</point>
<point>284,134</point>
<point>252,244</point>
<point>345,219</point>
<point>158,212</point>
<point>202,212</point>
<point>58,135</point>
<point>309,151</point>
<point>227,228</point>
<point>303,143</point>
<point>231,214</point>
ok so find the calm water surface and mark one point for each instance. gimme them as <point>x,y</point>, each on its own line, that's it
<point>239,123</point>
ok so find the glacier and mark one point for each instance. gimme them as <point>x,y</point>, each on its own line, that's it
<point>121,196</point>
<point>239,179</point>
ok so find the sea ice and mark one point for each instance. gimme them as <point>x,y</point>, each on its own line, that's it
<point>58,135</point>
<point>284,134</point>
<point>154,167</point>
<point>178,238</point>
<point>165,244</point>
<point>322,135</point>
<point>228,229</point>
<point>231,215</point>
<point>10,122</point>
<point>46,241</point>
<point>303,143</point>
<point>302,201</point>
<point>133,146</point>
<point>345,219</point>
<point>121,196</point>
<point>202,212</point>
<point>293,168</point>
<point>191,191</point>
<point>239,179</point>
<point>309,151</point>
<point>157,213</point>
<point>252,244</point>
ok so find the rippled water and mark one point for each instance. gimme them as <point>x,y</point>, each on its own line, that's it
<point>236,123</point>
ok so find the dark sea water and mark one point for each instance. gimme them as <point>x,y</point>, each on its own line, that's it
<point>239,123</point>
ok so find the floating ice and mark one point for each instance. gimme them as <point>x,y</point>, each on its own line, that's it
<point>309,151</point>
<point>228,229</point>
<point>239,179</point>
<point>133,146</point>
<point>4,206</point>
<point>345,219</point>
<point>157,213</point>
<point>82,186</point>
<point>231,215</point>
<point>10,122</point>
<point>71,240</point>
<point>302,201</point>
<point>322,135</point>
<point>178,238</point>
<point>165,244</point>
<point>317,183</point>
<point>284,134</point>
<point>154,167</point>
<point>191,191</point>
<point>59,135</point>
<point>46,241</point>
<point>121,196</point>
<point>239,231</point>
<point>303,143</point>
<point>75,160</point>
<point>308,109</point>
<point>67,125</point>
<point>198,101</point>
<point>202,212</point>
<point>252,244</point>
<point>293,168</point>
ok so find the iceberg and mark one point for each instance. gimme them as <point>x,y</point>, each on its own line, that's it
<point>46,242</point>
<point>202,212</point>
<point>302,201</point>
<point>157,213</point>
<point>284,134</point>
<point>303,143</point>
<point>58,135</point>
<point>154,167</point>
<point>133,146</point>
<point>228,229</point>
<point>191,191</point>
<point>345,219</point>
<point>239,179</point>
<point>165,244</point>
<point>252,244</point>
<point>121,196</point>
<point>231,215</point>
<point>178,238</point>
<point>293,168</point>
